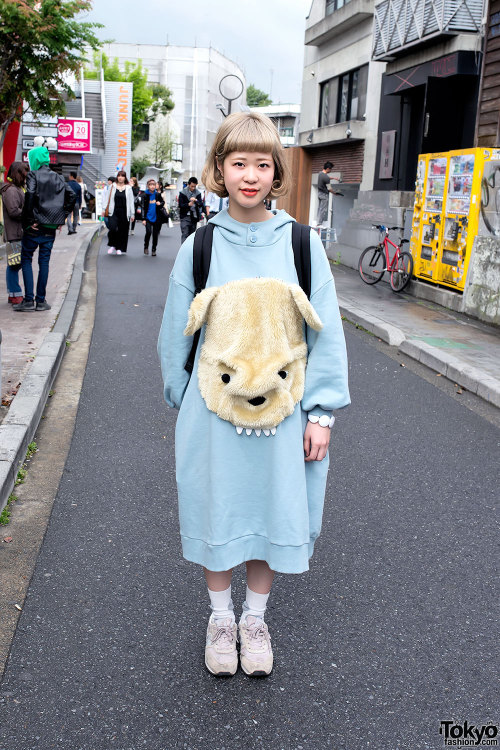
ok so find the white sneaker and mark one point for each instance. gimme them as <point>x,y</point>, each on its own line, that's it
<point>221,658</point>
<point>118,252</point>
<point>256,654</point>
<point>111,250</point>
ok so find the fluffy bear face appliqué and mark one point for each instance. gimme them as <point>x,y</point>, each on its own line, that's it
<point>251,370</point>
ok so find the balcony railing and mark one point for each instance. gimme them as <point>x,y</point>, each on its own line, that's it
<point>400,24</point>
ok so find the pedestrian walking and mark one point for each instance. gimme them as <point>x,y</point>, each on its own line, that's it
<point>255,416</point>
<point>190,208</point>
<point>152,203</point>
<point>137,202</point>
<point>85,195</point>
<point>12,193</point>
<point>74,217</point>
<point>121,211</point>
<point>214,204</point>
<point>48,202</point>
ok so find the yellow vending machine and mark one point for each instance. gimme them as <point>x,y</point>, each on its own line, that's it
<point>446,220</point>
<point>430,223</point>
<point>418,207</point>
<point>461,215</point>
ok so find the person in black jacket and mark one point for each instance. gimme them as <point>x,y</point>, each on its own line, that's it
<point>48,201</point>
<point>152,203</point>
<point>191,208</point>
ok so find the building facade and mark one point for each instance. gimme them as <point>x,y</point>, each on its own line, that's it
<point>384,81</point>
<point>193,75</point>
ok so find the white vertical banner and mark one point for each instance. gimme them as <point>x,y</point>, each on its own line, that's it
<point>118,151</point>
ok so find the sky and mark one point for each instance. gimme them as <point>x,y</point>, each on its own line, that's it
<point>264,37</point>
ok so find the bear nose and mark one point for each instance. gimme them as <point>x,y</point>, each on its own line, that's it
<point>256,401</point>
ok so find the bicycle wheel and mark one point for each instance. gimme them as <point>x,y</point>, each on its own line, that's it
<point>402,272</point>
<point>371,265</point>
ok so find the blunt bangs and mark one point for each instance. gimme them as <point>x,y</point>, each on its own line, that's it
<point>246,131</point>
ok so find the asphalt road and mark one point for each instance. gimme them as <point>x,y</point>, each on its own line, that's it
<point>394,629</point>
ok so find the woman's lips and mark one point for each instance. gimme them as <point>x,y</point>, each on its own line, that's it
<point>249,191</point>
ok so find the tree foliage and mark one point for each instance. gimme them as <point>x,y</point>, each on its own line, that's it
<point>160,148</point>
<point>256,97</point>
<point>40,43</point>
<point>139,166</point>
<point>148,100</point>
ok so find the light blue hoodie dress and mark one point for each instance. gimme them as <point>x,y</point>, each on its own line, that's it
<point>244,497</point>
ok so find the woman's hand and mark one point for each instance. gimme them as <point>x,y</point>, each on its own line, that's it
<point>144,223</point>
<point>316,439</point>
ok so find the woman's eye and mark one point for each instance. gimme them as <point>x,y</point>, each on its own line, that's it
<point>225,378</point>
<point>283,374</point>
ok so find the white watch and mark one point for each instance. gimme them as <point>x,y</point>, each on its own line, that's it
<point>323,421</point>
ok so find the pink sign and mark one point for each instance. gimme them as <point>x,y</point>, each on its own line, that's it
<point>74,135</point>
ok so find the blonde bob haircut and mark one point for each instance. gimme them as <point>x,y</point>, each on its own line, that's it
<point>246,131</point>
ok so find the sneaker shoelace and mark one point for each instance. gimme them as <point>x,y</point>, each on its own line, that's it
<point>224,634</point>
<point>258,634</point>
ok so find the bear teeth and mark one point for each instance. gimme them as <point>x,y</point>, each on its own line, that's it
<point>258,432</point>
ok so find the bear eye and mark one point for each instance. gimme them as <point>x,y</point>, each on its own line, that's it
<point>225,378</point>
<point>283,374</point>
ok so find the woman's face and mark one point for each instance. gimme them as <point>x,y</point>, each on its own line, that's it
<point>120,179</point>
<point>248,177</point>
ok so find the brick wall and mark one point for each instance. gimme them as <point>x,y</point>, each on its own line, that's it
<point>347,158</point>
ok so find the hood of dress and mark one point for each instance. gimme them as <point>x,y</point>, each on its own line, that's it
<point>37,157</point>
<point>260,233</point>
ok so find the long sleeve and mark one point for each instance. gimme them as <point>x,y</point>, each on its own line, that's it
<point>326,386</point>
<point>173,346</point>
<point>13,201</point>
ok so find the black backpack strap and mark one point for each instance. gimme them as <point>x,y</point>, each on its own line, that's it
<point>202,255</point>
<point>301,243</point>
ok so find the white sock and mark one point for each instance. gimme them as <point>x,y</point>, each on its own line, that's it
<point>221,604</point>
<point>255,604</point>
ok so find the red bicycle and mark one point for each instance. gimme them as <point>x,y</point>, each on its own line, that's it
<point>375,261</point>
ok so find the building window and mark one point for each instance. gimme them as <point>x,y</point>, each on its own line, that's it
<point>333,5</point>
<point>343,98</point>
<point>286,132</point>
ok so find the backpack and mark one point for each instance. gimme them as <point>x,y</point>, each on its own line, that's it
<point>202,254</point>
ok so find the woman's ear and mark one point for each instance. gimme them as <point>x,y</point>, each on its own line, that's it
<point>219,166</point>
<point>306,309</point>
<point>198,311</point>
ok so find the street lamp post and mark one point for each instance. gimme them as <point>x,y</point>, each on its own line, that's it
<point>231,88</point>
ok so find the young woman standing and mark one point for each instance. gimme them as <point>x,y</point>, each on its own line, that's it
<point>121,211</point>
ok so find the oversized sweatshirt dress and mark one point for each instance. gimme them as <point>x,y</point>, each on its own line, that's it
<point>248,497</point>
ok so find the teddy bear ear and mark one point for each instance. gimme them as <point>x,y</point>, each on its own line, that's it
<point>306,309</point>
<point>198,311</point>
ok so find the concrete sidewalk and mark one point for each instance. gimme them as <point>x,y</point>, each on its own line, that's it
<point>32,348</point>
<point>465,350</point>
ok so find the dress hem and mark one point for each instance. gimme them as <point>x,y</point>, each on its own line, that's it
<point>282,559</point>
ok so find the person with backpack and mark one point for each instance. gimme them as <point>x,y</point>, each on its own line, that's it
<point>191,208</point>
<point>48,202</point>
<point>12,193</point>
<point>152,203</point>
<point>256,393</point>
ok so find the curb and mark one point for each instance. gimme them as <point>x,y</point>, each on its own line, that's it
<point>472,379</point>
<point>20,424</point>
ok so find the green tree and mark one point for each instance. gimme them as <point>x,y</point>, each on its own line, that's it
<point>139,166</point>
<point>256,97</point>
<point>160,148</point>
<point>40,43</point>
<point>148,100</point>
